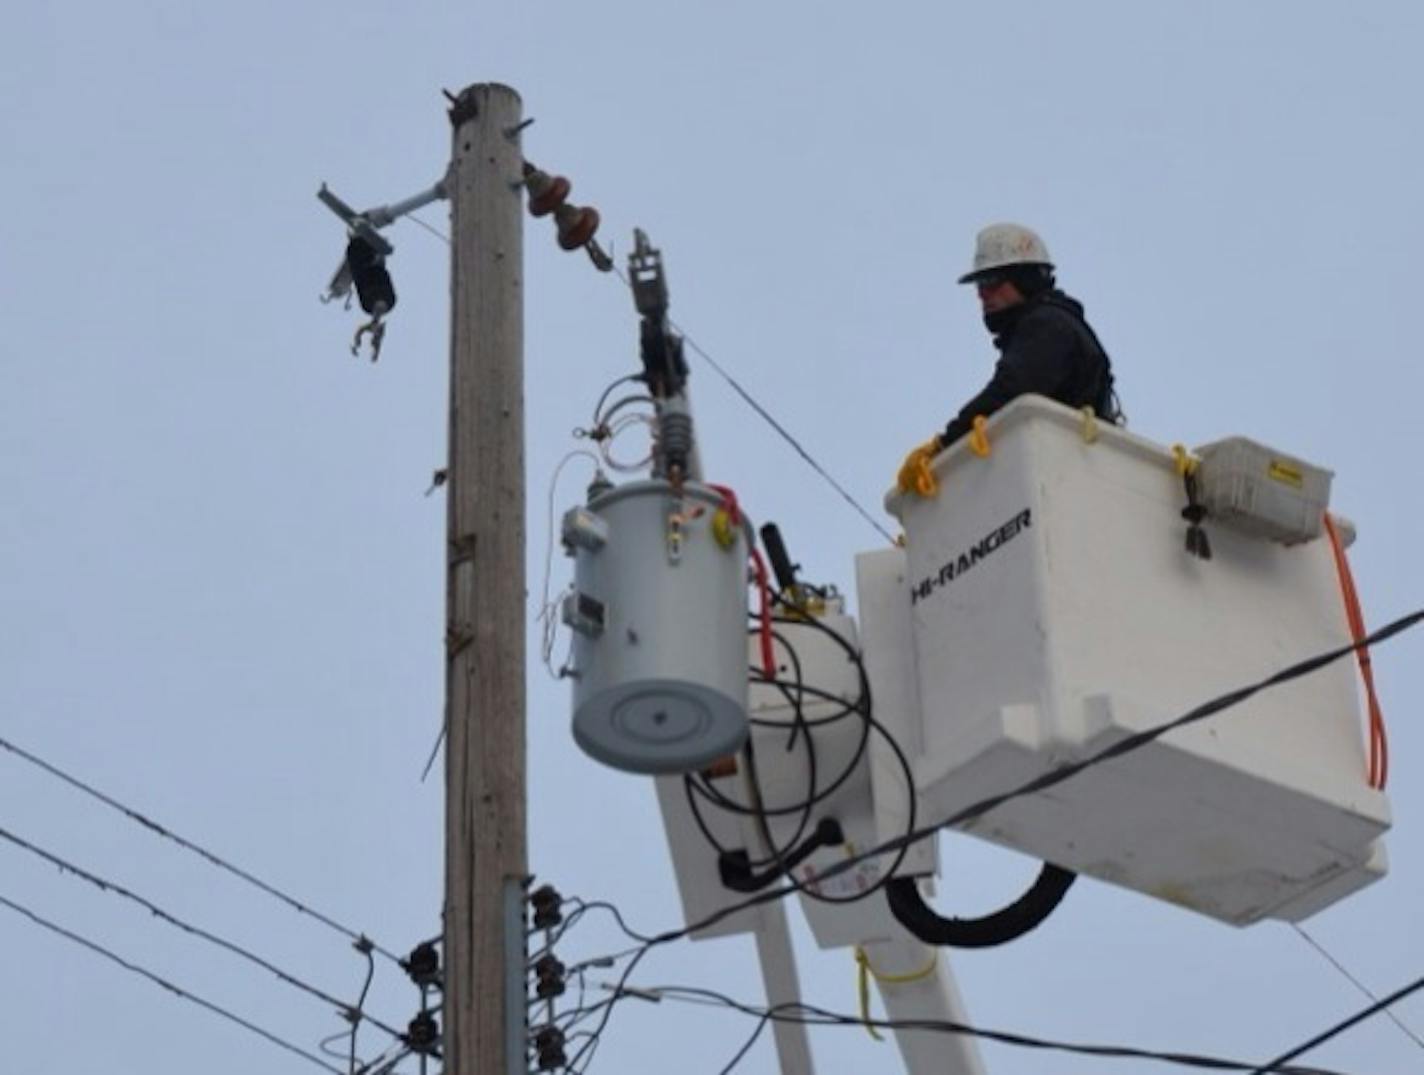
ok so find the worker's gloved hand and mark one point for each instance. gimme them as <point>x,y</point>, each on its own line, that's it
<point>915,475</point>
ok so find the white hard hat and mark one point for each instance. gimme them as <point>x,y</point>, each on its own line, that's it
<point>1001,245</point>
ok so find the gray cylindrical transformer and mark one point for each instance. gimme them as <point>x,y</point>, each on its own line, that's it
<point>659,619</point>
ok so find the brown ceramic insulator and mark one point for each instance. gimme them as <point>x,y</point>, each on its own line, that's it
<point>576,225</point>
<point>547,193</point>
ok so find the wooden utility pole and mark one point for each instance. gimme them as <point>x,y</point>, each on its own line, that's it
<point>485,855</point>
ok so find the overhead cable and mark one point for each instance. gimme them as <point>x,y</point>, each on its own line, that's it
<point>428,227</point>
<point>163,982</point>
<point>811,1015</point>
<point>736,873</point>
<point>608,1007</point>
<point>355,1014</point>
<point>612,909</point>
<point>1345,973</point>
<point>750,401</point>
<point>1339,1028</point>
<point>795,444</point>
<point>188,845</point>
<point>549,610</point>
<point>767,417</point>
<point>556,936</point>
<point>385,1063</point>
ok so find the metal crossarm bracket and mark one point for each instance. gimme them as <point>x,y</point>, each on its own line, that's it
<point>367,226</point>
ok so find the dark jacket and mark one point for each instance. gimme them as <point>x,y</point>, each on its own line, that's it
<point>1046,348</point>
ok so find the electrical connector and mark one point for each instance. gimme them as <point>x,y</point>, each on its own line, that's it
<point>549,978</point>
<point>549,1048</point>
<point>423,1034</point>
<point>546,902</point>
<point>423,965</point>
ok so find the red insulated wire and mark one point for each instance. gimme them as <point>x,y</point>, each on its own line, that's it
<point>768,662</point>
<point>734,514</point>
<point>1379,742</point>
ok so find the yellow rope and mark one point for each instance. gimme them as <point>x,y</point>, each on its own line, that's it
<point>978,439</point>
<point>863,988</point>
<point>866,972</point>
<point>1090,425</point>
<point>916,475</point>
<point>902,979</point>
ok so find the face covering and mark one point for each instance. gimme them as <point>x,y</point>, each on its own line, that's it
<point>1002,321</point>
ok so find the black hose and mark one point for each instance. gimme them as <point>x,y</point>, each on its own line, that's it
<point>735,869</point>
<point>908,906</point>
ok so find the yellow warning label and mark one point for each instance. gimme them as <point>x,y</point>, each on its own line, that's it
<point>1286,473</point>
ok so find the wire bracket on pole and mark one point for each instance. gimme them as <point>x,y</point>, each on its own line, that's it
<point>516,977</point>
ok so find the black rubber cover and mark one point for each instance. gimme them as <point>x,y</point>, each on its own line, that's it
<point>1025,913</point>
<point>781,565</point>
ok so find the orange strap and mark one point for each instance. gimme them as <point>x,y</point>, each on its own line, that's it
<point>1379,742</point>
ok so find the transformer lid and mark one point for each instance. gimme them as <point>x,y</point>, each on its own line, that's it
<point>659,726</point>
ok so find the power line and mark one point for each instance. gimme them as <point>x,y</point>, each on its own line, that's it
<point>164,983</point>
<point>1355,982</point>
<point>211,857</point>
<point>608,1006</point>
<point>811,1015</point>
<point>766,416</point>
<point>786,436</point>
<point>741,1053</point>
<point>747,397</point>
<point>384,1063</point>
<point>355,1014</point>
<point>603,905</point>
<point>380,1065</point>
<point>430,228</point>
<point>1340,1028</point>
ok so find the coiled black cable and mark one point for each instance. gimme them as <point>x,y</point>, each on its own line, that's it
<point>1026,913</point>
<point>740,871</point>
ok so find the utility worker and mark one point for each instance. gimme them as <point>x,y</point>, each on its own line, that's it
<point>1046,347</point>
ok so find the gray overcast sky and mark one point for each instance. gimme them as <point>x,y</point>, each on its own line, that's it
<point>221,586</point>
